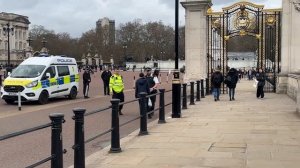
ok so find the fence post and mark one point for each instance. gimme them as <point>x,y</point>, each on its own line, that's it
<point>192,94</point>
<point>56,140</point>
<point>198,91</point>
<point>184,96</point>
<point>79,148</point>
<point>162,106</point>
<point>207,86</point>
<point>143,101</point>
<point>115,134</point>
<point>0,80</point>
<point>202,89</point>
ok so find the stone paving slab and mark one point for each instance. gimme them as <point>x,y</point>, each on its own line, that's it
<point>246,133</point>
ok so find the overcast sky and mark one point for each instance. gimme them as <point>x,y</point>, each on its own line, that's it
<point>78,16</point>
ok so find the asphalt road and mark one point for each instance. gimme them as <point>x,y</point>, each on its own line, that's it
<point>27,149</point>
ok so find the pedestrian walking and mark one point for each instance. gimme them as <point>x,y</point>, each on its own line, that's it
<point>141,85</point>
<point>153,83</point>
<point>216,81</point>
<point>86,82</point>
<point>261,78</point>
<point>105,76</point>
<point>116,86</point>
<point>231,80</point>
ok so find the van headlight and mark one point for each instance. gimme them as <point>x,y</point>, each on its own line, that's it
<point>32,84</point>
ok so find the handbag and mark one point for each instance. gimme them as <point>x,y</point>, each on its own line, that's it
<point>149,103</point>
<point>255,83</point>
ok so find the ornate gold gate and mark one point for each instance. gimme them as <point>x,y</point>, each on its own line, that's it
<point>245,19</point>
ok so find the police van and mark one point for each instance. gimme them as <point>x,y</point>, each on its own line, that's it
<point>40,78</point>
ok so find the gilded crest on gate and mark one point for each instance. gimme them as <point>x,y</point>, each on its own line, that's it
<point>242,20</point>
<point>271,21</point>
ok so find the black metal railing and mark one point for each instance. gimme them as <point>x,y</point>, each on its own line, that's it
<point>79,119</point>
<point>57,151</point>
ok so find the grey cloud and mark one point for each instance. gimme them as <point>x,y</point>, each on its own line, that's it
<point>78,16</point>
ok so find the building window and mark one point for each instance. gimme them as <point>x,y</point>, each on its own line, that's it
<point>6,46</point>
<point>20,34</point>
<point>24,45</point>
<point>24,35</point>
<point>20,45</point>
<point>16,45</point>
<point>16,34</point>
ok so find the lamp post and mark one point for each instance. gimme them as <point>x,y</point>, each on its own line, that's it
<point>125,57</point>
<point>176,84</point>
<point>7,30</point>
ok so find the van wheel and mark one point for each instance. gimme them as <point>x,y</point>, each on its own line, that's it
<point>43,99</point>
<point>9,101</point>
<point>73,93</point>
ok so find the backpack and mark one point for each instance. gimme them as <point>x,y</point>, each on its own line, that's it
<point>228,79</point>
<point>217,79</point>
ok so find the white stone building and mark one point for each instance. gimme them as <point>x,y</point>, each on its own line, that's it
<point>18,38</point>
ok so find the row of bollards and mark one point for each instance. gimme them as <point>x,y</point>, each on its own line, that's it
<point>199,92</point>
<point>79,147</point>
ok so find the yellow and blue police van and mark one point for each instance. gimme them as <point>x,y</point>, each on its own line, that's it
<point>40,78</point>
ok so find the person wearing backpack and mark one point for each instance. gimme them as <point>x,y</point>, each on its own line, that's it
<point>231,80</point>
<point>216,81</point>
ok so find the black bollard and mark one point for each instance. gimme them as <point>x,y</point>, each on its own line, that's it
<point>184,96</point>
<point>192,101</point>
<point>198,91</point>
<point>143,112</point>
<point>202,89</point>
<point>0,80</point>
<point>56,140</point>
<point>115,134</point>
<point>176,95</point>
<point>207,86</point>
<point>162,107</point>
<point>79,148</point>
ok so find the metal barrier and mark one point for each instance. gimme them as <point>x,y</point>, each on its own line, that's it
<point>192,98</point>
<point>184,96</point>
<point>56,141</point>
<point>198,90</point>
<point>79,137</point>
<point>79,114</point>
<point>202,88</point>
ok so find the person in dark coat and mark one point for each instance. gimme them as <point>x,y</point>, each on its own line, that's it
<point>216,81</point>
<point>261,78</point>
<point>106,74</point>
<point>86,82</point>
<point>141,85</point>
<point>231,80</point>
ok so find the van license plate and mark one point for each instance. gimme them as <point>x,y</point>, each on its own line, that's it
<point>13,94</point>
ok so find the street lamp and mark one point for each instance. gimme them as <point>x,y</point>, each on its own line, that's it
<point>7,30</point>
<point>125,48</point>
<point>44,49</point>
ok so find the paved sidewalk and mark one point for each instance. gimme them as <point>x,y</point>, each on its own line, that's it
<point>246,133</point>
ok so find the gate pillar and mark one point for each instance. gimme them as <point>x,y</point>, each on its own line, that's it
<point>195,38</point>
<point>290,42</point>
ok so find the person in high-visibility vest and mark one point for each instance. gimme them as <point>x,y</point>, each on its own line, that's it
<point>116,87</point>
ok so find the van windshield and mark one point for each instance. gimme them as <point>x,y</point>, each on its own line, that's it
<point>27,71</point>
